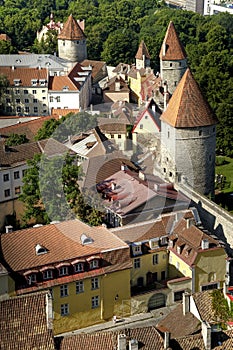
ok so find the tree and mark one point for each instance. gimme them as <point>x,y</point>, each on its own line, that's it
<point>47,129</point>
<point>4,82</point>
<point>51,191</point>
<point>16,139</point>
<point>6,48</point>
<point>120,46</point>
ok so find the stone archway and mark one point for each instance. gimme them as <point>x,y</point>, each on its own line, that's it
<point>156,301</point>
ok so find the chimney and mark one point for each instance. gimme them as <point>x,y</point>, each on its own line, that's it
<point>49,310</point>
<point>206,334</point>
<point>133,344</point>
<point>166,340</point>
<point>189,223</point>
<point>121,342</point>
<point>141,175</point>
<point>123,167</point>
<point>186,303</point>
<point>205,244</point>
<point>9,228</point>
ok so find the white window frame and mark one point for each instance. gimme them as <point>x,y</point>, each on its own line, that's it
<point>64,290</point>
<point>94,264</point>
<point>64,309</point>
<point>95,302</point>
<point>47,274</point>
<point>137,263</point>
<point>79,287</point>
<point>95,283</point>
<point>79,267</point>
<point>63,271</point>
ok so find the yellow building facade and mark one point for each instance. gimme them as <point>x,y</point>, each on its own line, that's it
<point>91,301</point>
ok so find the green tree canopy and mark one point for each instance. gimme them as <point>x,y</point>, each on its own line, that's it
<point>16,139</point>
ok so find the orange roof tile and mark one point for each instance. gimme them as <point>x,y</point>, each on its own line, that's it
<point>62,241</point>
<point>71,30</point>
<point>172,49</point>
<point>5,37</point>
<point>23,323</point>
<point>187,107</point>
<point>29,128</point>
<point>142,51</point>
<point>25,75</point>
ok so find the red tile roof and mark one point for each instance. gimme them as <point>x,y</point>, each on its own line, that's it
<point>172,49</point>
<point>23,323</point>
<point>178,324</point>
<point>16,155</point>
<point>148,338</point>
<point>25,75</point>
<point>142,51</point>
<point>187,107</point>
<point>71,30</point>
<point>29,128</point>
<point>62,241</point>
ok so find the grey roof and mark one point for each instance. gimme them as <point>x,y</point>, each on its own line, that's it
<point>33,61</point>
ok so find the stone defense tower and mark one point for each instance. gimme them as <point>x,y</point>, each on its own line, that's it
<point>188,137</point>
<point>72,41</point>
<point>142,56</point>
<point>173,59</point>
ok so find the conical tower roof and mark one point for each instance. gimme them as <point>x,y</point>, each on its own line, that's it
<point>71,30</point>
<point>172,49</point>
<point>187,107</point>
<point>142,51</point>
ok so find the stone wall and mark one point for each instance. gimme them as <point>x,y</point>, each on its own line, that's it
<point>216,219</point>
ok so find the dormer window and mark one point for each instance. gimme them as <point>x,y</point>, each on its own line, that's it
<point>163,240</point>
<point>154,243</point>
<point>93,262</point>
<point>48,274</point>
<point>16,82</point>
<point>78,265</point>
<point>40,249</point>
<point>136,248</point>
<point>85,239</point>
<point>63,271</point>
<point>42,82</point>
<point>65,88</point>
<point>34,82</point>
<point>31,276</point>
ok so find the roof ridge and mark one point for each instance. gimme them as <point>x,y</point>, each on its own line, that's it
<point>71,30</point>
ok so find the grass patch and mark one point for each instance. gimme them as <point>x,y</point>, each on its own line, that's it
<point>224,182</point>
<point>225,168</point>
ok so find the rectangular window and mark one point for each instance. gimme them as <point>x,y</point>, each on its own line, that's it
<point>25,92</point>
<point>51,99</point>
<point>63,271</point>
<point>79,287</point>
<point>17,190</point>
<point>163,275</point>
<point>8,100</point>
<point>177,265</point>
<point>16,175</point>
<point>27,109</point>
<point>64,290</point>
<point>43,91</point>
<point>119,136</point>
<point>137,263</point>
<point>94,264</point>
<point>6,177</point>
<point>18,109</point>
<point>17,100</point>
<point>17,92</point>
<point>9,109</point>
<point>35,100</point>
<point>155,259</point>
<point>58,99</point>
<point>141,126</point>
<point>32,278</point>
<point>34,92</point>
<point>7,193</point>
<point>64,309</point>
<point>48,274</point>
<point>95,283</point>
<point>209,286</point>
<point>78,267</point>
<point>43,98</point>
<point>26,100</point>
<point>35,109</point>
<point>7,92</point>
<point>178,295</point>
<point>24,171</point>
<point>95,302</point>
